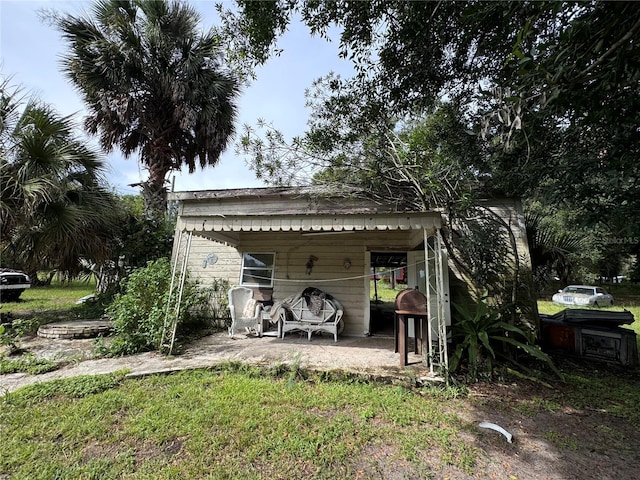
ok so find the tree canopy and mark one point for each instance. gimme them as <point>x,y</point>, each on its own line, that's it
<point>55,208</point>
<point>154,84</point>
<point>550,89</point>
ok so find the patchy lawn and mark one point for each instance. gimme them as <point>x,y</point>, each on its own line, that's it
<point>57,296</point>
<point>241,422</point>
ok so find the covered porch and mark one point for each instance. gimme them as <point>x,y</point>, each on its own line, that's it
<point>279,242</point>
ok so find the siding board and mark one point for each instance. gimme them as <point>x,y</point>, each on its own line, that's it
<point>274,219</point>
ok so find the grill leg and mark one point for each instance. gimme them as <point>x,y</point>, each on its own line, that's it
<point>402,340</point>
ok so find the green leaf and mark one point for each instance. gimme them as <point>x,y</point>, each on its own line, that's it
<point>484,338</point>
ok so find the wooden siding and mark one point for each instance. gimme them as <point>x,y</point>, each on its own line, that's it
<point>292,254</point>
<point>328,273</point>
<point>200,266</point>
<point>288,200</point>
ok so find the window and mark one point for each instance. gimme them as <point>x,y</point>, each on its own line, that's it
<point>257,269</point>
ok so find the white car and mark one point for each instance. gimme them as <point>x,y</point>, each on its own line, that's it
<point>583,295</point>
<point>12,284</point>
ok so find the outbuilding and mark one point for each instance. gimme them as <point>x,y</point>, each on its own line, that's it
<point>279,241</point>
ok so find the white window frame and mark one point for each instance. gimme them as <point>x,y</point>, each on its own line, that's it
<point>272,267</point>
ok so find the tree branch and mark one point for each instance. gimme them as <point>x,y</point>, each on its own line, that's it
<point>613,47</point>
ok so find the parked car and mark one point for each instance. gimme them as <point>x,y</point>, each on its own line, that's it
<point>12,284</point>
<point>583,295</point>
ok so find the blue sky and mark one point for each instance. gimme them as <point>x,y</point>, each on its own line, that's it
<point>30,53</point>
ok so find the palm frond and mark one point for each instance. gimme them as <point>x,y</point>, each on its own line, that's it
<point>54,207</point>
<point>153,84</point>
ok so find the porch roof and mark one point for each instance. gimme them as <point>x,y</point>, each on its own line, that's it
<point>310,223</point>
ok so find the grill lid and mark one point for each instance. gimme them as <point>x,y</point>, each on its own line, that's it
<point>411,301</point>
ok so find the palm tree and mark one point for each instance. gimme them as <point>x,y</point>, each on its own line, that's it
<point>54,207</point>
<point>153,84</point>
<point>551,249</point>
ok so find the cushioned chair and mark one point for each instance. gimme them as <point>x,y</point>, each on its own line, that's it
<point>245,311</point>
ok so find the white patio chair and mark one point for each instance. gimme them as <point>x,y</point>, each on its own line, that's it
<point>245,311</point>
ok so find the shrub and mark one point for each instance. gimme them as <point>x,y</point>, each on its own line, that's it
<point>482,337</point>
<point>139,313</point>
<point>213,304</point>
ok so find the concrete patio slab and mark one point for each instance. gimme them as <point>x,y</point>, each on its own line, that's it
<point>371,356</point>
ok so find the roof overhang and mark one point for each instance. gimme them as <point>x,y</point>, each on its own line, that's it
<point>310,223</point>
<point>228,229</point>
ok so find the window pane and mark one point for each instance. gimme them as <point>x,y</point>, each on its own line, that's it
<point>258,260</point>
<point>257,269</point>
<point>256,276</point>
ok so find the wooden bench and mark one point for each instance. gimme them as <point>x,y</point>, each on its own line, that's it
<point>329,318</point>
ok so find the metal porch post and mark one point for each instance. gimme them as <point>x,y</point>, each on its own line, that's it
<point>428,295</point>
<point>442,324</point>
<point>435,286</point>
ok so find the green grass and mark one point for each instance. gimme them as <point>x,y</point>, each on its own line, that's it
<point>385,292</point>
<point>57,296</point>
<point>242,422</point>
<point>39,306</point>
<point>227,423</point>
<point>57,302</point>
<point>26,363</point>
<point>561,441</point>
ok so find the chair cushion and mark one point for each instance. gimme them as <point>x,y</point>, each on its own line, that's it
<point>249,309</point>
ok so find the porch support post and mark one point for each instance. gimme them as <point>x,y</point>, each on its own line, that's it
<point>442,324</point>
<point>435,293</point>
<point>430,312</point>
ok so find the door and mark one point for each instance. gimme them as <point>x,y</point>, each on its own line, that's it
<point>417,276</point>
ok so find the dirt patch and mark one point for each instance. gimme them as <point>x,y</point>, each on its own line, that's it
<point>151,450</point>
<point>141,453</point>
<point>100,451</point>
<point>383,462</point>
<point>551,440</point>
